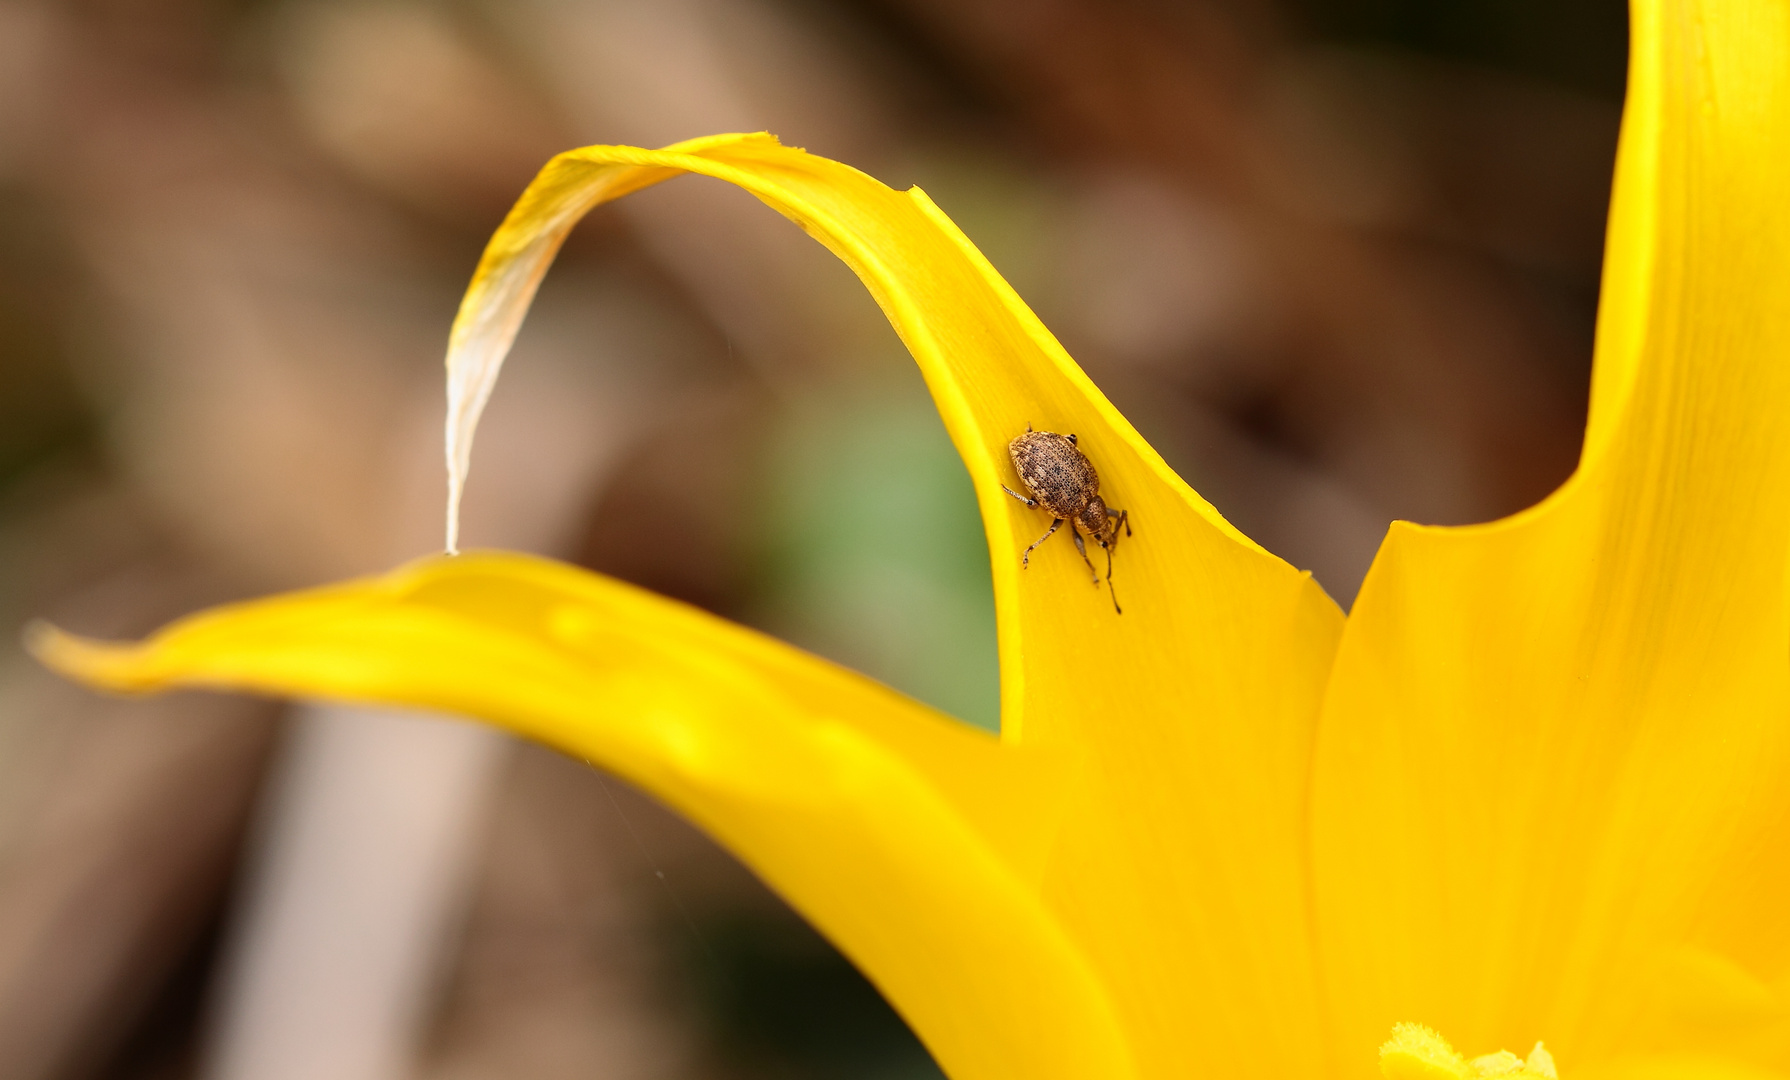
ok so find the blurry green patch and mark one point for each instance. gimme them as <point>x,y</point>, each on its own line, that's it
<point>778,1001</point>
<point>875,552</point>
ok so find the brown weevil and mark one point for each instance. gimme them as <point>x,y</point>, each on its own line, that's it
<point>1062,481</point>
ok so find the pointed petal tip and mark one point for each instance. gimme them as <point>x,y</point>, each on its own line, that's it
<point>106,665</point>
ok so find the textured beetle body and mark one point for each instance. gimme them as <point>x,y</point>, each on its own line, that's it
<point>1055,471</point>
<point>1062,480</point>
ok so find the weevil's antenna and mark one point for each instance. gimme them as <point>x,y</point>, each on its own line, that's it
<point>1109,579</point>
<point>1124,519</point>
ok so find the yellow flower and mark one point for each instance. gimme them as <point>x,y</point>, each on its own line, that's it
<point>1536,786</point>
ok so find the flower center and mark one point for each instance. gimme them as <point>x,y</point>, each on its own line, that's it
<point>1416,1053</point>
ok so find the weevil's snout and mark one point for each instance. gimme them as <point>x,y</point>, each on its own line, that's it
<point>1095,521</point>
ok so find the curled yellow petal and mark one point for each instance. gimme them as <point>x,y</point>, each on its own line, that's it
<point>1189,716</point>
<point>993,370</point>
<point>887,823</point>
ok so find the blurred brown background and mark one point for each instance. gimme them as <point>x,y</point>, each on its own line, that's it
<point>1336,258</point>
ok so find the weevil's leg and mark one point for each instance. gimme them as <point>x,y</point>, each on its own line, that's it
<point>1017,495</point>
<point>1124,519</point>
<point>1027,557</point>
<point>1083,548</point>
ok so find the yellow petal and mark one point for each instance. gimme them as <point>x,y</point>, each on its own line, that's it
<point>1557,747</point>
<point>1175,856</point>
<point>880,817</point>
<point>1680,1067</point>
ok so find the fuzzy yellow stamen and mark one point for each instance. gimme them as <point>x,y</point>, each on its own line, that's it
<point>1416,1053</point>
